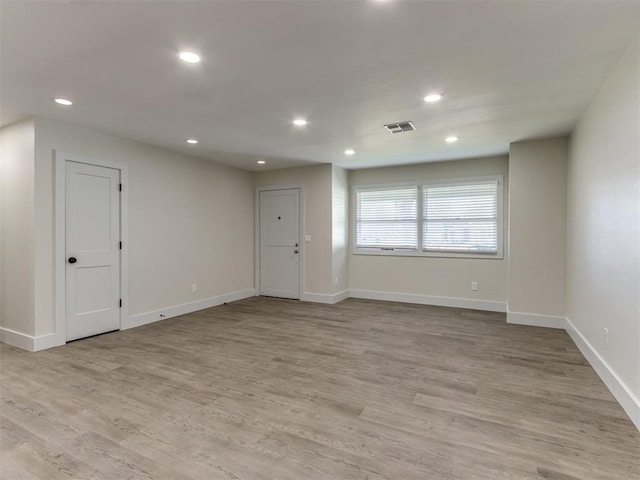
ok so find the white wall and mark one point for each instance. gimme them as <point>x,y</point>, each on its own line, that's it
<point>317,217</point>
<point>190,221</point>
<point>340,228</point>
<point>17,227</point>
<point>603,242</point>
<point>537,226</point>
<point>410,278</point>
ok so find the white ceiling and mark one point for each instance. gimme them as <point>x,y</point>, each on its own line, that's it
<point>508,71</point>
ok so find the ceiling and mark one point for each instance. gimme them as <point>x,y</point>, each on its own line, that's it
<point>508,71</point>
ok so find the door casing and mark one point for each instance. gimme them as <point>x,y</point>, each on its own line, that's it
<point>257,235</point>
<point>61,159</point>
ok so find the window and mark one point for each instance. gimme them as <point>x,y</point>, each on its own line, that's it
<point>387,218</point>
<point>461,217</point>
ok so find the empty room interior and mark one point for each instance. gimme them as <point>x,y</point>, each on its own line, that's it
<point>320,239</point>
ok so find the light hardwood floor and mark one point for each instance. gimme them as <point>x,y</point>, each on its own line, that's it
<point>268,389</point>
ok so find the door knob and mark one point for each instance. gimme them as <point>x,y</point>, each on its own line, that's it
<point>296,251</point>
<point>73,259</point>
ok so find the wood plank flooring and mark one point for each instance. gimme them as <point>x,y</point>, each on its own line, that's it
<point>269,389</point>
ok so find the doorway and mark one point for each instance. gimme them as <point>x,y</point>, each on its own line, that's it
<point>279,251</point>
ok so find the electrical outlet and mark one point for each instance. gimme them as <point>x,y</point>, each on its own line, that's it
<point>194,287</point>
<point>606,336</point>
<point>474,286</point>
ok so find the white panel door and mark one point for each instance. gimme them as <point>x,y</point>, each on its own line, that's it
<point>92,250</point>
<point>280,243</point>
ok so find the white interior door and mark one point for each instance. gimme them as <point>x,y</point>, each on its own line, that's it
<point>279,220</point>
<point>92,250</point>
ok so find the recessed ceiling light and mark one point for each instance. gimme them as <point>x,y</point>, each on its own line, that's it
<point>63,101</point>
<point>349,151</point>
<point>192,141</point>
<point>189,57</point>
<point>261,162</point>
<point>451,139</point>
<point>299,122</point>
<point>433,97</point>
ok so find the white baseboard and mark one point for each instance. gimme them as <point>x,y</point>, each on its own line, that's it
<point>43,342</point>
<point>325,298</point>
<point>28,342</point>
<point>616,386</point>
<point>536,320</point>
<point>182,309</point>
<point>16,339</point>
<point>487,305</point>
<point>343,295</point>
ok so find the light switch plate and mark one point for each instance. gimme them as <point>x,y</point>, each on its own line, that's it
<point>307,238</point>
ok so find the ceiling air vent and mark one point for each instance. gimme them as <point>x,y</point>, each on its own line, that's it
<point>400,127</point>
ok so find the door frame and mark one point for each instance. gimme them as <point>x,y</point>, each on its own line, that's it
<point>60,228</point>
<point>256,256</point>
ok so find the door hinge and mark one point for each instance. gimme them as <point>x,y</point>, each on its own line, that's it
<point>120,303</point>
<point>120,187</point>
<point>120,245</point>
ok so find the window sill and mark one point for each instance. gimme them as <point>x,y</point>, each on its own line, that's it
<point>431,254</point>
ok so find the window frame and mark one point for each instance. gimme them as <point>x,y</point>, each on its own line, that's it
<point>419,251</point>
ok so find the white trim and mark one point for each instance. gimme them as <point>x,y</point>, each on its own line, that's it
<point>340,296</point>
<point>324,297</point>
<point>616,386</point>
<point>60,227</point>
<point>42,342</point>
<point>16,339</point>
<point>28,342</point>
<point>256,234</point>
<point>184,308</point>
<point>440,181</point>
<point>487,305</point>
<point>425,253</point>
<point>536,320</point>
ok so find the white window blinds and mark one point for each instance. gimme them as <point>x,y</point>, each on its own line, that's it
<point>387,218</point>
<point>460,217</point>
